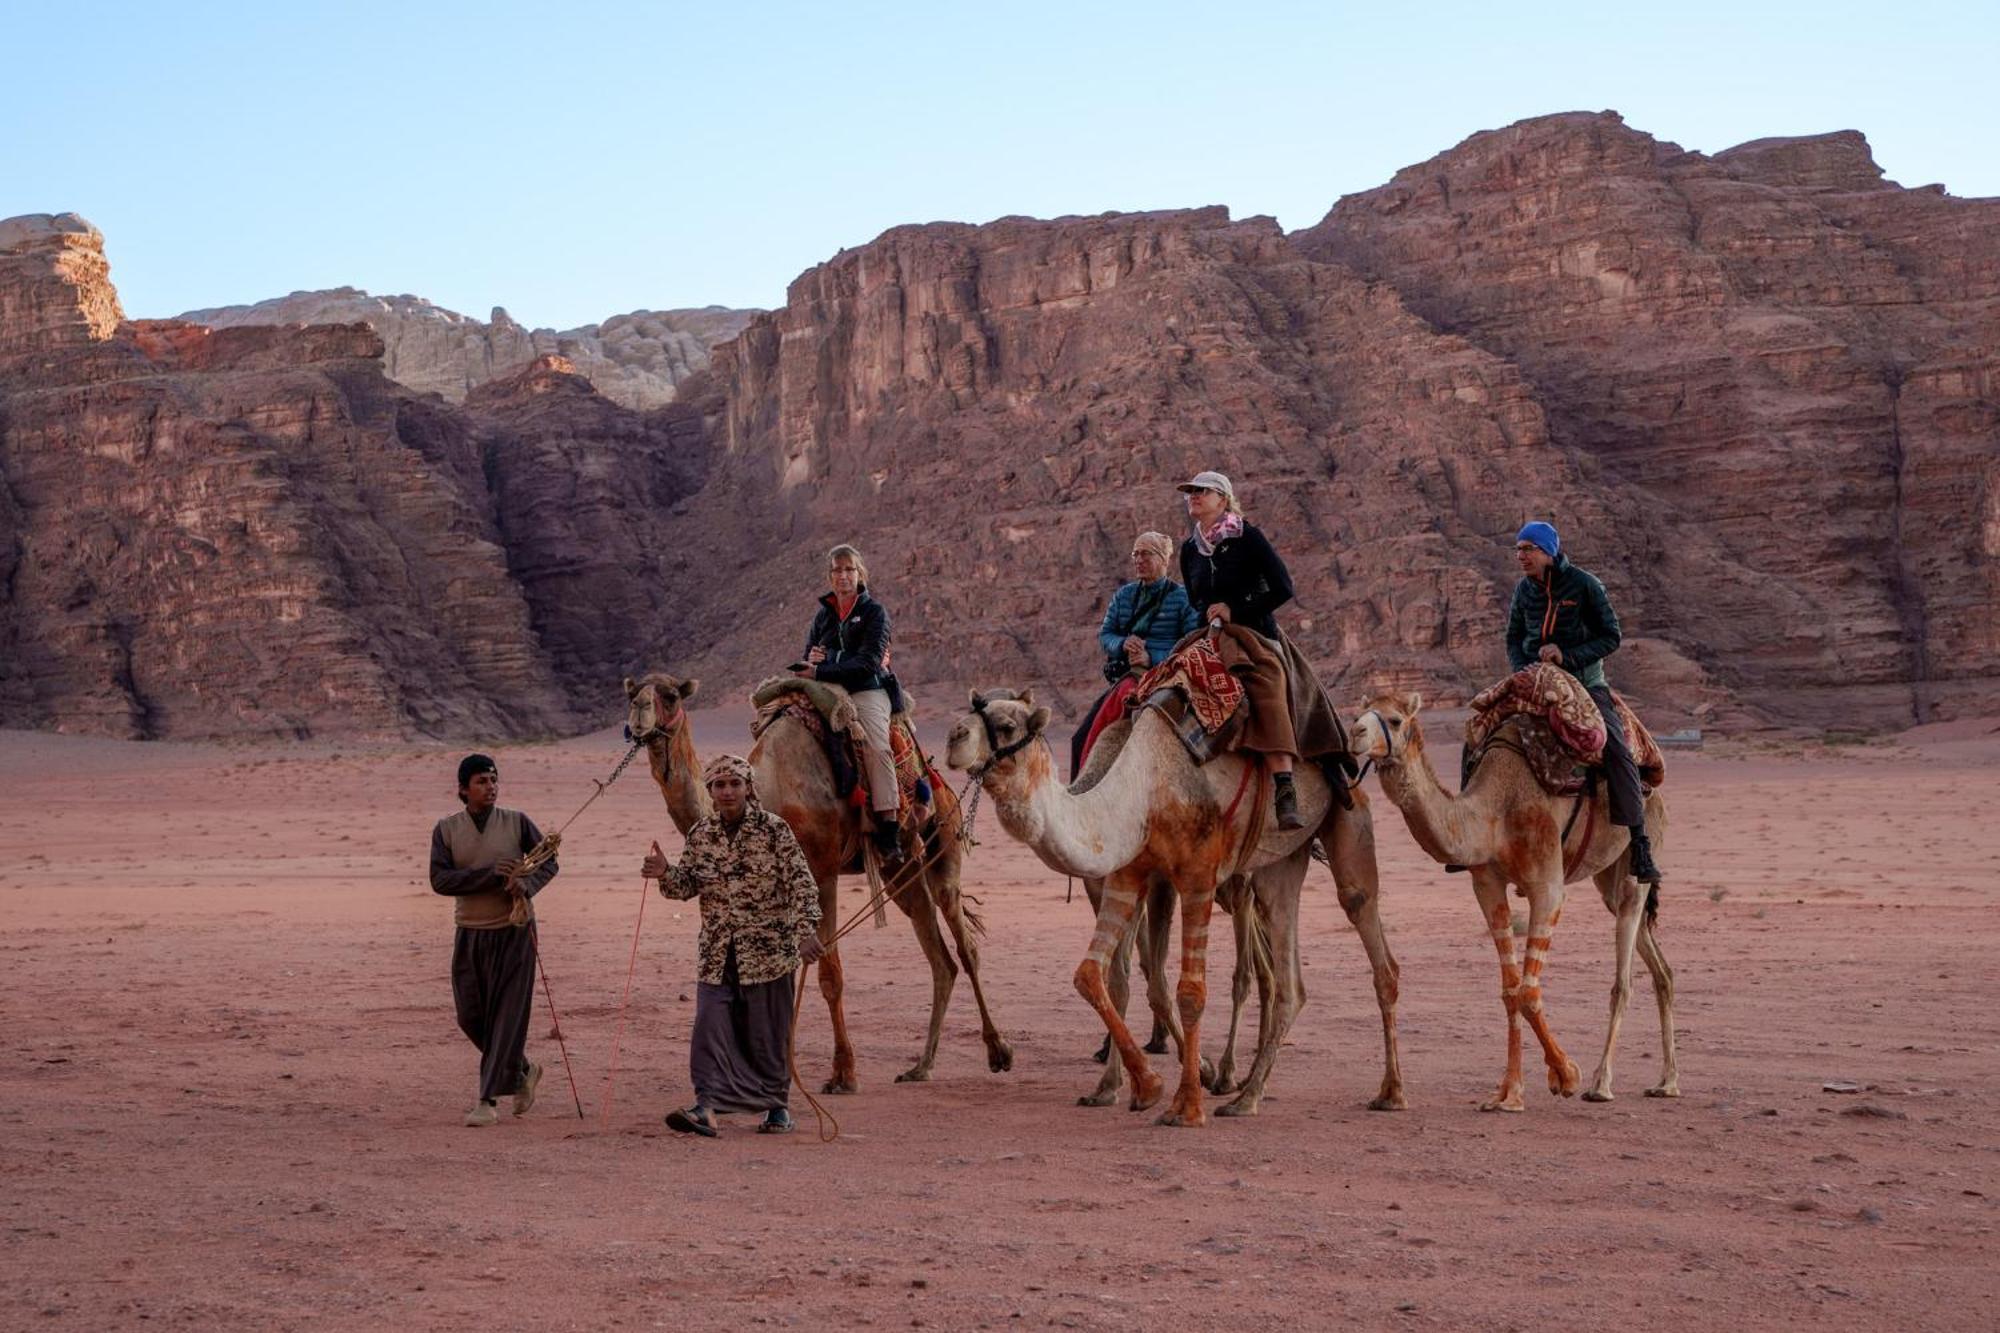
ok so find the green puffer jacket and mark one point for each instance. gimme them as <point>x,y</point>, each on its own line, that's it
<point>1568,609</point>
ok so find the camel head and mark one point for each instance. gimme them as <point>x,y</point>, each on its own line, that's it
<point>1387,728</point>
<point>999,725</point>
<point>655,705</point>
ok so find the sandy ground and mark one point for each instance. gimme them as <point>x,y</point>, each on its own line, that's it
<point>233,1083</point>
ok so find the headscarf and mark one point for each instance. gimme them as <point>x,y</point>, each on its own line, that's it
<point>1156,543</point>
<point>727,765</point>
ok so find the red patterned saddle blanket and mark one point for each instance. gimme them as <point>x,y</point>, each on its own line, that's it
<point>1197,673</point>
<point>1556,729</point>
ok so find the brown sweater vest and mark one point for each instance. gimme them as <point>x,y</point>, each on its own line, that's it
<point>470,847</point>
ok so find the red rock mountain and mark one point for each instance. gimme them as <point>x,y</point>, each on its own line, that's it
<point>1757,390</point>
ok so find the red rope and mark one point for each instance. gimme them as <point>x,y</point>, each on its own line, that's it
<point>611,1076</point>
<point>535,941</point>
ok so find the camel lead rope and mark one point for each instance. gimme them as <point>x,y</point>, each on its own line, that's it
<point>618,1035</point>
<point>535,943</point>
<point>821,1115</point>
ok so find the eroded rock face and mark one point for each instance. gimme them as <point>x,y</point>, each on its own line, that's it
<point>1790,364</point>
<point>635,359</point>
<point>251,530</point>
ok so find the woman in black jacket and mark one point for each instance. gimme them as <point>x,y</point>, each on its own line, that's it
<point>1234,575</point>
<point>849,647</point>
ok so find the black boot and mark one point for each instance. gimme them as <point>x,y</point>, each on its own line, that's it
<point>1643,868</point>
<point>1287,802</point>
<point>888,842</point>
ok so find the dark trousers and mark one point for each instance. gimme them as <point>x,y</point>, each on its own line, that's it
<point>1621,775</point>
<point>738,1059</point>
<point>493,983</point>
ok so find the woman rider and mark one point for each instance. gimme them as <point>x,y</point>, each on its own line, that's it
<point>849,647</point>
<point>1233,575</point>
<point>1146,618</point>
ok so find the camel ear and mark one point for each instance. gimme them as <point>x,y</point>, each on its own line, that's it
<point>688,688</point>
<point>1026,696</point>
<point>1412,702</point>
<point>1038,720</point>
<point>631,688</point>
<point>975,700</point>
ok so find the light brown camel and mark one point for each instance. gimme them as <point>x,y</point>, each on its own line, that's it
<point>1508,830</point>
<point>1154,813</point>
<point>793,778</point>
<point>1147,935</point>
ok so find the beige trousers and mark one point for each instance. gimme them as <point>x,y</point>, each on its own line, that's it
<point>872,706</point>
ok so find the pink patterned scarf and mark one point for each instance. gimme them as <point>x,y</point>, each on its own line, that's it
<point>1229,525</point>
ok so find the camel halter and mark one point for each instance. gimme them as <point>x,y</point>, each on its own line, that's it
<point>996,752</point>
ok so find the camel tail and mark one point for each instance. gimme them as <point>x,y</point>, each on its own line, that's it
<point>1258,944</point>
<point>1652,904</point>
<point>972,918</point>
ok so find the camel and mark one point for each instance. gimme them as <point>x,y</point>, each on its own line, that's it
<point>1147,934</point>
<point>1154,815</point>
<point>793,778</point>
<point>1508,830</point>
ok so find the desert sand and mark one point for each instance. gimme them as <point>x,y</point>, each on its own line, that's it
<point>233,1084</point>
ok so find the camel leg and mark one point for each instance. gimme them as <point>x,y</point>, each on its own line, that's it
<point>1357,879</point>
<point>1119,984</point>
<point>1191,996</point>
<point>1491,890</point>
<point>1241,976</point>
<point>1623,895</point>
<point>1156,939</point>
<point>1280,987</point>
<point>944,974</point>
<point>999,1054</point>
<point>1663,991</point>
<point>832,984</point>
<point>1544,911</point>
<point>1121,901</point>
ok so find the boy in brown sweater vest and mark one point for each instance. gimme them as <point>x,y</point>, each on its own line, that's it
<point>473,854</point>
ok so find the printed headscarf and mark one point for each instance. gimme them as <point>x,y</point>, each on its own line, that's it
<point>727,765</point>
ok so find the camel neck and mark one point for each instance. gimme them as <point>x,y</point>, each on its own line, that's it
<point>1438,821</point>
<point>677,772</point>
<point>1092,834</point>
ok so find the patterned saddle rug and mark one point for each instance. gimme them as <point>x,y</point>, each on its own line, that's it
<point>1545,715</point>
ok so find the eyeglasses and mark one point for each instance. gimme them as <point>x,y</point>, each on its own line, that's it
<point>1525,546</point>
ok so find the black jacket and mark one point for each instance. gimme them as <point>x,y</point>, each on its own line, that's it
<point>854,646</point>
<point>1569,610</point>
<point>1245,574</point>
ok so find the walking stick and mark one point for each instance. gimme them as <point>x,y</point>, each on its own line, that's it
<point>611,1077</point>
<point>535,943</point>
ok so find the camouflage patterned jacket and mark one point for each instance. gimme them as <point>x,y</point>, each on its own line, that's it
<point>756,891</point>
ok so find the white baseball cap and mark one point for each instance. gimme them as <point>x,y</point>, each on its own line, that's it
<point>1208,481</point>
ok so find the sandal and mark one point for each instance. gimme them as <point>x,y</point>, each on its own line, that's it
<point>691,1120</point>
<point>778,1120</point>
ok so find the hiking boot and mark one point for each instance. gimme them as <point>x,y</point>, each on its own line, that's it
<point>1287,802</point>
<point>524,1096</point>
<point>777,1120</point>
<point>1643,868</point>
<point>482,1114</point>
<point>888,842</point>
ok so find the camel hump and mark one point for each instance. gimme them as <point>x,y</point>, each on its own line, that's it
<point>831,702</point>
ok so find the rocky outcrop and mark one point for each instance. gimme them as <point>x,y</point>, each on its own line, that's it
<point>635,359</point>
<point>243,531</point>
<point>1790,364</point>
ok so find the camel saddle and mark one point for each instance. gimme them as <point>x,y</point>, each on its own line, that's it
<point>1546,716</point>
<point>828,713</point>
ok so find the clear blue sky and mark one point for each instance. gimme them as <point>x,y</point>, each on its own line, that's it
<point>574,160</point>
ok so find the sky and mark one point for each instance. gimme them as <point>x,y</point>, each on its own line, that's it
<point>573,161</point>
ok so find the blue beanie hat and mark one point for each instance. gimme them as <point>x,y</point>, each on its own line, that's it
<point>1542,535</point>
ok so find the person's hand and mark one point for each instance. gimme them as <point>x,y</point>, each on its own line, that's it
<point>1551,653</point>
<point>815,654</point>
<point>508,868</point>
<point>1220,611</point>
<point>655,864</point>
<point>1134,644</point>
<point>885,659</point>
<point>810,949</point>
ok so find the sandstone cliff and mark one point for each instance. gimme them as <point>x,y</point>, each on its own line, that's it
<point>635,359</point>
<point>253,531</point>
